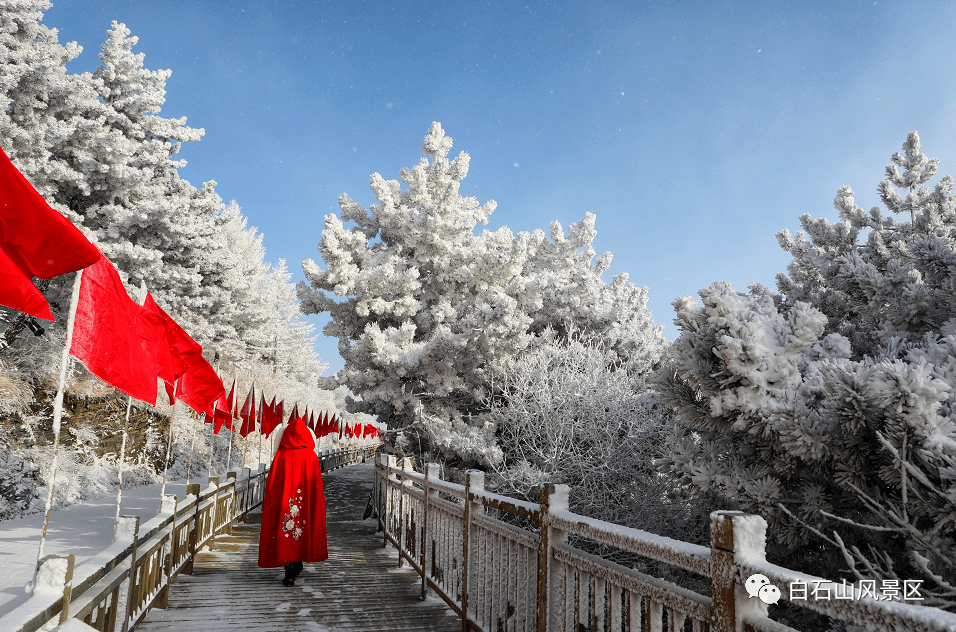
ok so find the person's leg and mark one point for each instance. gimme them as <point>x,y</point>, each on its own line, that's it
<point>291,572</point>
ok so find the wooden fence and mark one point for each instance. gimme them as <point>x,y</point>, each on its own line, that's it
<point>118,587</point>
<point>502,578</point>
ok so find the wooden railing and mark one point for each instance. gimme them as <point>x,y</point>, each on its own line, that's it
<point>114,590</point>
<point>502,578</point>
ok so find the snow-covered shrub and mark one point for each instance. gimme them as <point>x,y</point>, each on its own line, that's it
<point>829,409</point>
<point>429,306</point>
<point>18,483</point>
<point>568,411</point>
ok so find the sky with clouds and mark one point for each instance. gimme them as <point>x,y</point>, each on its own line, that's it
<point>695,131</point>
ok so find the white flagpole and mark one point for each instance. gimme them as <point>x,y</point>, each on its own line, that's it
<point>212,441</point>
<point>58,415</point>
<point>119,492</point>
<point>261,412</point>
<point>212,431</point>
<point>232,420</point>
<point>189,467</point>
<point>169,446</point>
<point>252,416</point>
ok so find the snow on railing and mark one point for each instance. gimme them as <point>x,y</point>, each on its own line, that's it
<point>114,590</point>
<point>499,577</point>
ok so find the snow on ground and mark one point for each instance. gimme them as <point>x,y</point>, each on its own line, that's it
<point>83,530</point>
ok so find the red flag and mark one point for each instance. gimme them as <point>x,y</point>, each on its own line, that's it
<point>248,414</point>
<point>114,337</point>
<point>177,351</point>
<point>279,413</point>
<point>312,420</point>
<point>36,241</point>
<point>199,387</point>
<point>223,413</point>
<point>17,290</point>
<point>271,417</point>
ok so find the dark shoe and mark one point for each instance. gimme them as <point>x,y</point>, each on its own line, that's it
<point>288,582</point>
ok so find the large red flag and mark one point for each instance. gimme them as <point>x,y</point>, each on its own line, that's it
<point>248,414</point>
<point>115,337</point>
<point>199,387</point>
<point>36,241</point>
<point>177,351</point>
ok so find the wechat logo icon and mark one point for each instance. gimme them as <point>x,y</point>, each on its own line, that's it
<point>759,586</point>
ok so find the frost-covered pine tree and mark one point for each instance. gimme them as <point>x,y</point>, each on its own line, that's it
<point>429,304</point>
<point>41,106</point>
<point>829,409</point>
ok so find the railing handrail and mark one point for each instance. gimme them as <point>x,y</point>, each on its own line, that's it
<point>98,581</point>
<point>406,500</point>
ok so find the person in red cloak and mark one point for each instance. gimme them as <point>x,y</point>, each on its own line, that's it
<point>293,509</point>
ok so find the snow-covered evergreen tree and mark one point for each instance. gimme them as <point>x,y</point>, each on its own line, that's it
<point>41,106</point>
<point>829,409</point>
<point>430,305</point>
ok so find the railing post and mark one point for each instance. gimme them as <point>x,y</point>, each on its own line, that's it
<point>553,498</point>
<point>401,515</point>
<point>381,470</point>
<point>193,489</point>
<point>390,461</point>
<point>169,503</point>
<point>245,495</point>
<point>474,480</point>
<point>52,572</point>
<point>231,507</point>
<point>131,592</point>
<point>214,480</point>
<point>432,471</point>
<point>731,603</point>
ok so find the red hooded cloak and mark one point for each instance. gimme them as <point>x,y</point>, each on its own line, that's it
<point>293,511</point>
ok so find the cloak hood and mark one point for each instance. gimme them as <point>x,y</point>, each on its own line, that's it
<point>297,435</point>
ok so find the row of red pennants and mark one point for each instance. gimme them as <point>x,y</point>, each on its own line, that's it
<point>271,415</point>
<point>126,344</point>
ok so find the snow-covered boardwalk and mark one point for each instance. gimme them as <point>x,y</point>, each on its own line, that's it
<point>359,588</point>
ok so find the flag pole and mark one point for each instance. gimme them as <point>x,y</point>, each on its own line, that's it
<point>119,492</point>
<point>212,442</point>
<point>169,446</point>
<point>260,430</point>
<point>232,420</point>
<point>189,467</point>
<point>212,431</point>
<point>245,439</point>
<point>57,416</point>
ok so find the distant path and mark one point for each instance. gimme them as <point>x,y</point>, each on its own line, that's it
<point>358,589</point>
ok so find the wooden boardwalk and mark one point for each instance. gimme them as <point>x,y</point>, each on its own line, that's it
<point>359,588</point>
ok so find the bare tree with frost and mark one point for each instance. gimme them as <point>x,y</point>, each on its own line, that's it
<point>829,409</point>
<point>428,305</point>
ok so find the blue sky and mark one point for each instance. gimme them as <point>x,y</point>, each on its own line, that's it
<point>695,131</point>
